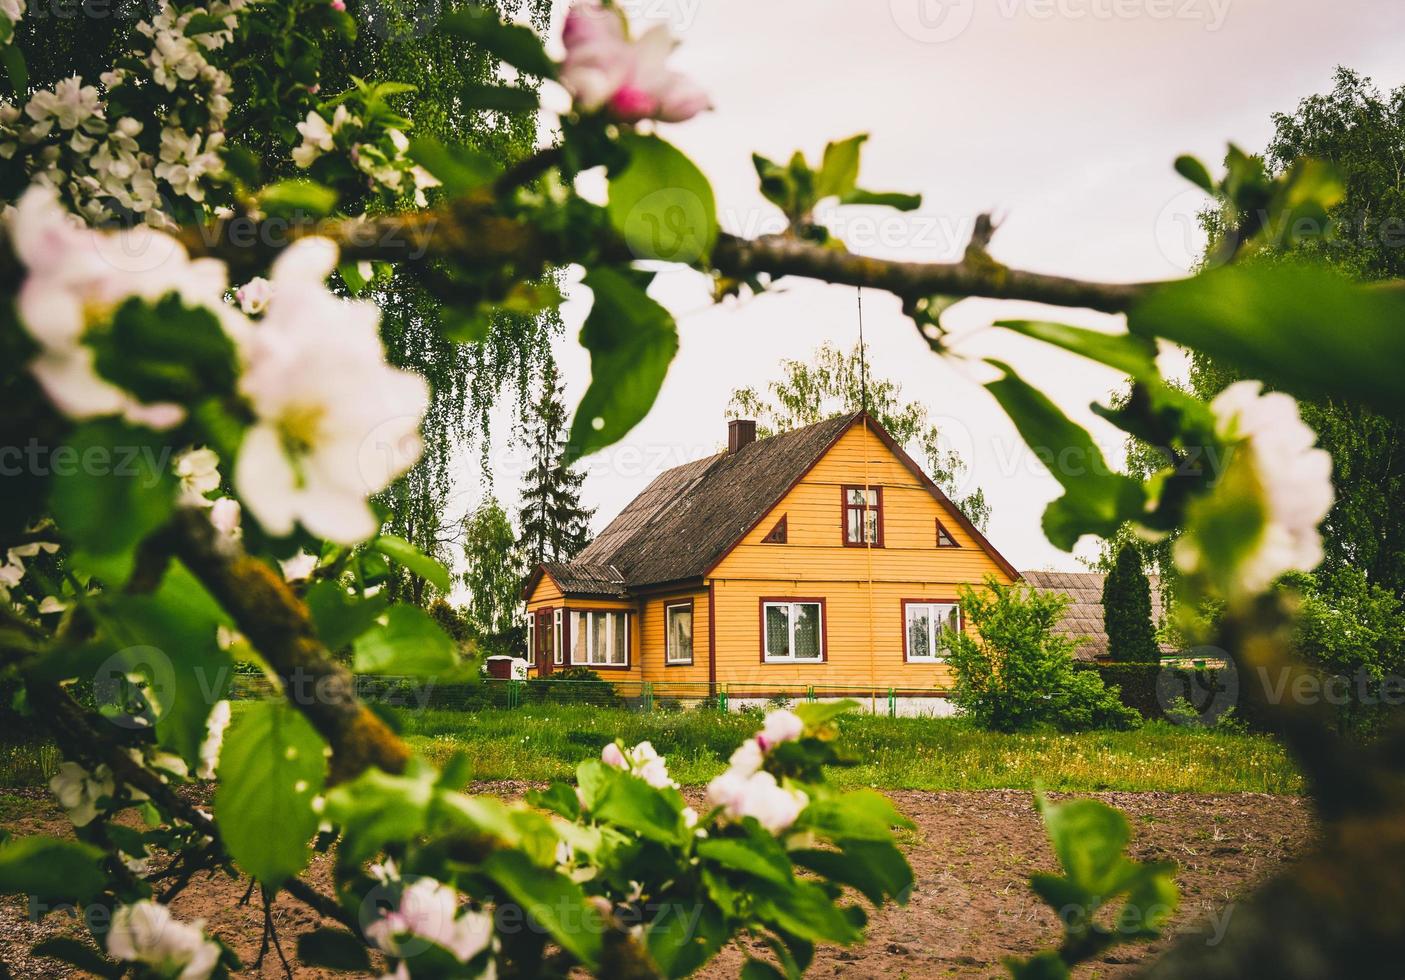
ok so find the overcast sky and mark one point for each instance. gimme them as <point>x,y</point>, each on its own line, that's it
<point>1063,116</point>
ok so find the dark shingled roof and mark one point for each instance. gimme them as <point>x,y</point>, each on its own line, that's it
<point>691,515</point>
<point>580,578</point>
<point>1083,620</point>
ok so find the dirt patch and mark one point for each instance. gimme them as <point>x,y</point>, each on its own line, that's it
<point>972,854</point>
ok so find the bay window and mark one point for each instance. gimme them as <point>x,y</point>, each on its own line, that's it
<point>863,516</point>
<point>792,631</point>
<point>925,626</point>
<point>599,638</point>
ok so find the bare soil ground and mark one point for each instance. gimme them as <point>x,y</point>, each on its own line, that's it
<point>972,853</point>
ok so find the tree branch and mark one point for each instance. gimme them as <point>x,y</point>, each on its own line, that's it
<point>468,231</point>
<point>279,626</point>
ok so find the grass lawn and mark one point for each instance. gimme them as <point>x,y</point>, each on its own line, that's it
<point>543,742</point>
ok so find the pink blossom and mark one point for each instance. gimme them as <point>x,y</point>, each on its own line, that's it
<point>611,755</point>
<point>781,726</point>
<point>628,78</point>
<point>338,5</point>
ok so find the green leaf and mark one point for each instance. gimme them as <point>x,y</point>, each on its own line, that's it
<point>862,814</point>
<point>751,857</point>
<point>1152,898</point>
<point>170,638</point>
<point>51,870</point>
<point>661,203</point>
<point>760,970</point>
<point>377,808</point>
<point>271,766</point>
<point>632,804</point>
<point>166,351</point>
<point>298,196</point>
<point>684,936</point>
<point>1041,966</point>
<point>839,171</point>
<point>817,713</point>
<point>559,798</point>
<point>410,644</point>
<point>1194,171</point>
<point>902,202</point>
<point>1301,327</point>
<point>1126,352</point>
<point>1063,895</point>
<point>502,98</point>
<point>517,45</point>
<point>776,185</point>
<point>335,949</point>
<point>340,616</point>
<point>806,911</point>
<point>1088,839</point>
<point>1096,500</point>
<point>116,489</point>
<point>632,341</point>
<point>553,900</point>
<point>15,68</point>
<point>460,169</point>
<point>877,869</point>
<point>399,550</point>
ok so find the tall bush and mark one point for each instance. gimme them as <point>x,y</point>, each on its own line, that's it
<point>1131,635</point>
<point>1017,672</point>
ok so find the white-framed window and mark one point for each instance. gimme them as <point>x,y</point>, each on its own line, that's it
<point>532,637</point>
<point>678,632</point>
<point>792,631</point>
<point>599,638</point>
<point>558,642</point>
<point>925,626</point>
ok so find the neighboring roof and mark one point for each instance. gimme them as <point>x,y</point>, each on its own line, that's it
<point>1083,620</point>
<point>691,516</point>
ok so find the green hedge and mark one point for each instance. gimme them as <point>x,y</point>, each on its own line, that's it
<point>1150,688</point>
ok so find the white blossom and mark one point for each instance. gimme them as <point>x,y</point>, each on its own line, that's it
<point>429,910</point>
<point>334,422</point>
<point>627,78</point>
<point>318,135</point>
<point>642,761</point>
<point>70,104</point>
<point>146,932</point>
<point>78,790</point>
<point>198,471</point>
<point>1293,479</point>
<point>185,161</point>
<point>758,795</point>
<point>299,567</point>
<point>224,515</point>
<point>254,295</point>
<point>214,738</point>
<point>76,278</point>
<point>780,726</point>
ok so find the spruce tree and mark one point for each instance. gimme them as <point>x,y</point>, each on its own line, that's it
<point>1131,636</point>
<point>555,527</point>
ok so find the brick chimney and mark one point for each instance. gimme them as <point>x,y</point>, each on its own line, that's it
<point>740,432</point>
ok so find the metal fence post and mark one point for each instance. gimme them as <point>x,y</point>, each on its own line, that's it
<point>722,698</point>
<point>647,690</point>
<point>810,694</point>
<point>892,703</point>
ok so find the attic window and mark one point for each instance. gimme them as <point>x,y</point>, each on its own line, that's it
<point>944,538</point>
<point>779,534</point>
<point>863,516</point>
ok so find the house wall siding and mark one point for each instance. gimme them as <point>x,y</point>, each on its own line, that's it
<point>863,625</point>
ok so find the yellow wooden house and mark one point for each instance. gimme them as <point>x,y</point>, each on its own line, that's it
<point>820,557</point>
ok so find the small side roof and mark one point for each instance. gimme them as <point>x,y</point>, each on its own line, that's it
<point>1083,619</point>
